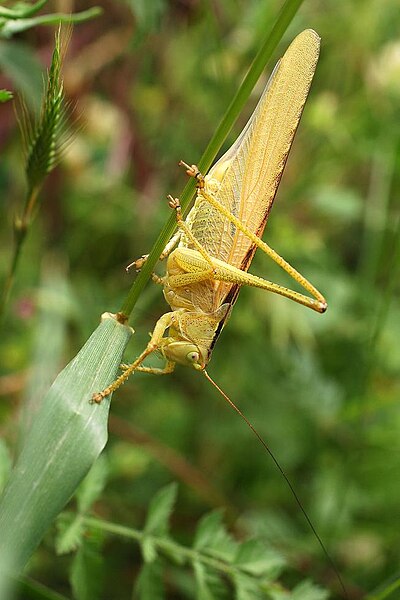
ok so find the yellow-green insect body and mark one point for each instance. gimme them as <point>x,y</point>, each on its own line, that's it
<point>218,239</point>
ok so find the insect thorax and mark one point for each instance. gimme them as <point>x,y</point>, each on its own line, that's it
<point>194,328</point>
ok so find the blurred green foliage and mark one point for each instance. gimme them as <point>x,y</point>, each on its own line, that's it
<point>152,80</point>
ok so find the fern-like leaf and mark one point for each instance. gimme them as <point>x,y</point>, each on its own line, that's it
<point>223,567</point>
<point>150,585</point>
<point>87,571</point>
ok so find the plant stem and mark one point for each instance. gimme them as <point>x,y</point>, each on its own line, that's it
<point>21,228</point>
<point>272,39</point>
<point>171,548</point>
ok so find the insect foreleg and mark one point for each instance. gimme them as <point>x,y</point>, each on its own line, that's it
<point>171,244</point>
<point>162,324</point>
<point>139,262</point>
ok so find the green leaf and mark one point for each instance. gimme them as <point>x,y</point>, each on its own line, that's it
<point>207,529</point>
<point>12,27</point>
<point>306,590</point>
<point>209,583</point>
<point>246,587</point>
<point>87,571</point>
<point>149,549</point>
<point>5,95</point>
<point>160,510</point>
<point>19,64</point>
<point>70,534</point>
<point>148,15</point>
<point>257,559</point>
<point>28,588</point>
<point>66,437</point>
<point>5,463</point>
<point>150,585</point>
<point>21,9</point>
<point>157,520</point>
<point>93,484</point>
<point>211,536</point>
<point>48,345</point>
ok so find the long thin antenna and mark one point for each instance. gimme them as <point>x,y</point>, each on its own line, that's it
<point>286,478</point>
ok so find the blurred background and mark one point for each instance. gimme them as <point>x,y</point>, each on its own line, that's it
<point>149,82</point>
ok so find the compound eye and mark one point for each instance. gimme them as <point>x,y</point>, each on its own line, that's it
<point>192,357</point>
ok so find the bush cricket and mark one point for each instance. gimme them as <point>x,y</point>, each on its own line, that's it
<point>209,256</point>
<point>217,241</point>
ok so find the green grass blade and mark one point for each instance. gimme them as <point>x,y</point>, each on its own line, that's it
<point>27,588</point>
<point>54,309</point>
<point>65,439</point>
<point>22,10</point>
<point>13,27</point>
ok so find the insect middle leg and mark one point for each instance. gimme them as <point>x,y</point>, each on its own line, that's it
<point>155,343</point>
<point>182,228</point>
<point>139,262</point>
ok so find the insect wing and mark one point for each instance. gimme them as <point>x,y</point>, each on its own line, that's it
<point>250,171</point>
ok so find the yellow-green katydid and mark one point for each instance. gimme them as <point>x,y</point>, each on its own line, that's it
<point>218,239</point>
